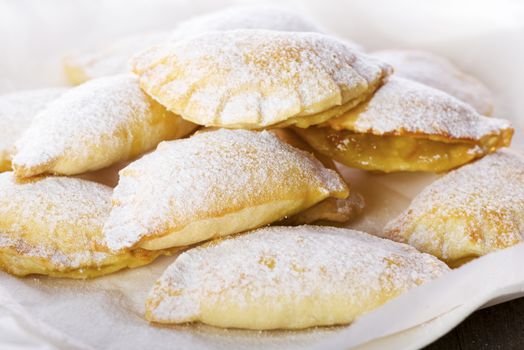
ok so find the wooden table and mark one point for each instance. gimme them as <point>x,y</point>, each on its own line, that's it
<point>499,327</point>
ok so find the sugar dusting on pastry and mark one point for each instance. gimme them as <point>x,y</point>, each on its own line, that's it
<point>256,78</point>
<point>403,106</point>
<point>208,175</point>
<point>95,125</point>
<point>281,267</point>
<point>17,110</point>
<point>54,218</point>
<point>436,71</point>
<point>89,113</point>
<point>470,211</point>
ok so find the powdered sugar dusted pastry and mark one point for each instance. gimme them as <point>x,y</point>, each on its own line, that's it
<point>438,72</point>
<point>330,209</point>
<point>53,226</point>
<point>469,212</point>
<point>287,277</point>
<point>17,110</point>
<point>94,125</point>
<point>214,184</point>
<point>114,58</point>
<point>258,78</point>
<point>407,126</point>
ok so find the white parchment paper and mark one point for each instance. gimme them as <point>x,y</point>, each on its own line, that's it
<point>485,38</point>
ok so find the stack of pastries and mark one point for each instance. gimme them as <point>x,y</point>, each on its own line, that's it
<point>216,142</point>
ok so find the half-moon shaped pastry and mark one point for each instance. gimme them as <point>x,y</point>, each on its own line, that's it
<point>469,212</point>
<point>94,125</point>
<point>214,184</point>
<point>438,72</point>
<point>53,226</point>
<point>287,277</point>
<point>330,209</point>
<point>258,78</point>
<point>114,58</point>
<point>17,110</point>
<point>407,126</point>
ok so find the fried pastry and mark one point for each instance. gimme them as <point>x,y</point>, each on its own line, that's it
<point>407,126</point>
<point>53,226</point>
<point>114,58</point>
<point>438,72</point>
<point>17,110</point>
<point>95,125</point>
<point>287,278</point>
<point>254,79</point>
<point>330,209</point>
<point>213,184</point>
<point>469,212</point>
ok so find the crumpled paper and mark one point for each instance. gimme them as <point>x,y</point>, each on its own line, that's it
<point>481,37</point>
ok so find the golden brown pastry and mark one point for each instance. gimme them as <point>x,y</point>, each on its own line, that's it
<point>114,58</point>
<point>469,212</point>
<point>287,277</point>
<point>95,125</point>
<point>438,72</point>
<point>407,126</point>
<point>258,78</point>
<point>53,226</point>
<point>214,184</point>
<point>330,209</point>
<point>17,110</point>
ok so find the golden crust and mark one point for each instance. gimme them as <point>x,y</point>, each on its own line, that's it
<point>258,78</point>
<point>287,278</point>
<point>390,153</point>
<point>469,212</point>
<point>213,184</point>
<point>332,210</point>
<point>404,107</point>
<point>406,126</point>
<point>95,125</point>
<point>17,110</point>
<point>53,226</point>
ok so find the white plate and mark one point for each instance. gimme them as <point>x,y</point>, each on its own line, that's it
<point>483,37</point>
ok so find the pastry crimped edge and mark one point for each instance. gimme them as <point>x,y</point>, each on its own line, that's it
<point>483,213</point>
<point>124,230</point>
<point>287,280</point>
<point>154,65</point>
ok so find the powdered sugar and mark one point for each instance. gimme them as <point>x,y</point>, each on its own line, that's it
<point>255,78</point>
<point>92,126</point>
<point>54,218</point>
<point>17,110</point>
<point>210,174</point>
<point>404,106</point>
<point>481,203</point>
<point>289,264</point>
<point>439,73</point>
